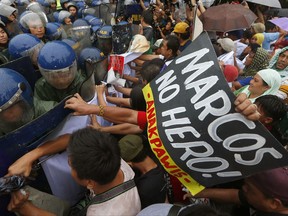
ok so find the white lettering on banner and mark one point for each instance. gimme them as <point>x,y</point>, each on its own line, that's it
<point>208,109</point>
<point>187,145</point>
<point>213,126</point>
<point>212,160</point>
<point>173,121</point>
<point>165,81</point>
<point>180,132</point>
<point>258,157</point>
<point>199,155</point>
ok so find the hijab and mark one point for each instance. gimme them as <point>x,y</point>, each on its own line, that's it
<point>272,78</point>
<point>259,38</point>
<point>274,59</point>
<point>260,61</point>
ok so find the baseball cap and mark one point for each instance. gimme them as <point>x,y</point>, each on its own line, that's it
<point>130,146</point>
<point>181,27</point>
<point>272,182</point>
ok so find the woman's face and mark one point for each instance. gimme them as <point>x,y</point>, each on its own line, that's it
<point>253,40</point>
<point>249,58</point>
<point>168,26</point>
<point>67,21</point>
<point>257,85</point>
<point>72,11</point>
<point>3,37</point>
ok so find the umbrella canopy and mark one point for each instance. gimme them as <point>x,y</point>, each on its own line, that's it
<point>281,22</point>
<point>227,17</point>
<point>279,12</point>
<point>270,3</point>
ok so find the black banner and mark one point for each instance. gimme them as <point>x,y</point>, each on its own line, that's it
<point>193,128</point>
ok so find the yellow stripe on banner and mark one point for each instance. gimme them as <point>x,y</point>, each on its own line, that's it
<point>159,149</point>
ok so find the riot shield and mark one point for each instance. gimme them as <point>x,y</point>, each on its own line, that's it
<point>121,37</point>
<point>82,36</point>
<point>87,88</point>
<point>25,67</point>
<point>99,69</point>
<point>19,142</point>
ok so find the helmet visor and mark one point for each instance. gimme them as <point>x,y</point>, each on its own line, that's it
<point>61,78</point>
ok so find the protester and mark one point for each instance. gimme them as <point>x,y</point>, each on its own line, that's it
<point>95,163</point>
<point>150,181</point>
<point>4,40</point>
<point>256,60</point>
<point>182,30</point>
<point>266,192</point>
<point>265,82</point>
<point>272,110</point>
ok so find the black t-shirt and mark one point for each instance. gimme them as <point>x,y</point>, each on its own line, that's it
<point>151,187</point>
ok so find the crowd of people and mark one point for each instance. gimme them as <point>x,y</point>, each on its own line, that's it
<point>99,161</point>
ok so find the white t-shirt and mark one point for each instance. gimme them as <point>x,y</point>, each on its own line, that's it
<point>126,204</point>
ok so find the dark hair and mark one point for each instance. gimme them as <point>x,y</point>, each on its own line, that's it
<point>247,34</point>
<point>151,69</point>
<point>94,155</point>
<point>185,35</point>
<point>272,106</point>
<point>5,30</point>
<point>147,16</point>
<point>269,26</point>
<point>137,99</point>
<point>173,44</point>
<point>254,47</point>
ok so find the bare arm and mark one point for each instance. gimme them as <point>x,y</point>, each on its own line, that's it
<point>219,195</point>
<point>19,203</point>
<point>24,164</point>
<point>124,128</point>
<point>112,114</point>
<point>130,78</point>
<point>125,91</point>
<point>148,57</point>
<point>122,102</point>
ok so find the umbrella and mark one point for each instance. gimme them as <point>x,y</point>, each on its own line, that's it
<point>227,17</point>
<point>279,12</point>
<point>281,22</point>
<point>269,3</point>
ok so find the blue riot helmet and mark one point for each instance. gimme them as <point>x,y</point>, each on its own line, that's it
<point>94,21</point>
<point>35,7</point>
<point>7,13</point>
<point>57,64</point>
<point>104,39</point>
<point>54,31</point>
<point>25,45</point>
<point>93,57</point>
<point>55,16</point>
<point>64,17</point>
<point>34,23</point>
<point>80,4</point>
<point>69,42</point>
<point>95,29</point>
<point>81,31</point>
<point>91,53</point>
<point>16,101</point>
<point>95,3</point>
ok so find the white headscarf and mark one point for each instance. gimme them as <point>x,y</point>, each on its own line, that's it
<point>272,78</point>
